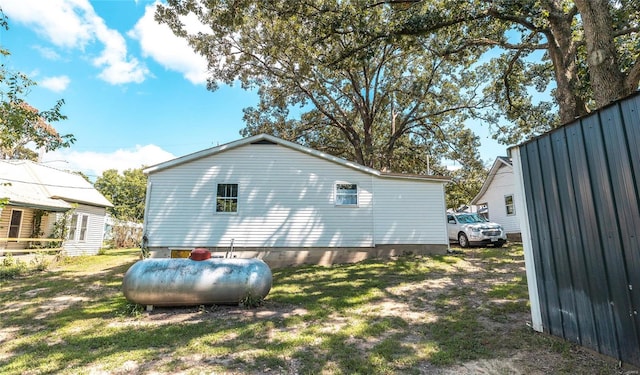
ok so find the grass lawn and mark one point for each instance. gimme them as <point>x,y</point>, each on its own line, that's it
<point>462,313</point>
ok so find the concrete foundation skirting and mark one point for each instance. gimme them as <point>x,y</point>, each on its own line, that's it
<point>282,257</point>
<point>514,237</point>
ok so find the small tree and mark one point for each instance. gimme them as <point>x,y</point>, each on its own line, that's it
<point>126,191</point>
<point>21,123</point>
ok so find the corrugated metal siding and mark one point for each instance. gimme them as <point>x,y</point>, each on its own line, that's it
<point>407,212</point>
<point>95,229</point>
<point>583,199</point>
<point>286,199</point>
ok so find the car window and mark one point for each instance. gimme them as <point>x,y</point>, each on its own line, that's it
<point>471,218</point>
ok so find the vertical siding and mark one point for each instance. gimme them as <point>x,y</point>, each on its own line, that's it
<point>409,212</point>
<point>583,202</point>
<point>95,229</point>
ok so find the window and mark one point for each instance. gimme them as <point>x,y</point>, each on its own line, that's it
<point>346,194</point>
<point>508,203</point>
<point>227,198</point>
<point>83,227</point>
<point>14,225</point>
<point>73,225</point>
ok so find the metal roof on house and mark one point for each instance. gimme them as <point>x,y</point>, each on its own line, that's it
<point>266,138</point>
<point>29,184</point>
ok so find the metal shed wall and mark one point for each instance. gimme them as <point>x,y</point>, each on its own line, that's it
<point>582,192</point>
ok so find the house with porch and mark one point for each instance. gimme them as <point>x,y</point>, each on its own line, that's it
<point>44,207</point>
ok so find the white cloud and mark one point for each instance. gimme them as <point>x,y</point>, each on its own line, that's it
<point>73,24</point>
<point>158,42</point>
<point>47,53</point>
<point>94,163</point>
<point>55,84</point>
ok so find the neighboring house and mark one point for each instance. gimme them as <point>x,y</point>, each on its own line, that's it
<point>496,201</point>
<point>40,196</point>
<point>287,204</point>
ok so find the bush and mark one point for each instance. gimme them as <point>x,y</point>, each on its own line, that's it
<point>11,267</point>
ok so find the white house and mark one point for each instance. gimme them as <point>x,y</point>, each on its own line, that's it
<point>287,204</point>
<point>496,197</point>
<point>37,198</point>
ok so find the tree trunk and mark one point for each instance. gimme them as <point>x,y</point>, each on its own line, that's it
<point>562,51</point>
<point>607,81</point>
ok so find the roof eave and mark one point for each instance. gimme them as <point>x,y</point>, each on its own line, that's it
<point>497,164</point>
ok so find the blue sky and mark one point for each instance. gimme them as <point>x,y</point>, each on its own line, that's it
<point>135,94</point>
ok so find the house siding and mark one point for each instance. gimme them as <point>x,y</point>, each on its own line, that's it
<point>502,185</point>
<point>285,199</point>
<point>26,226</point>
<point>407,212</point>
<point>95,229</point>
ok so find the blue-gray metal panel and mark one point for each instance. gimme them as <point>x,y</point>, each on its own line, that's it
<point>570,265</point>
<point>604,256</point>
<point>607,222</point>
<point>628,222</point>
<point>594,290</point>
<point>546,271</point>
<point>631,116</point>
<point>558,258</point>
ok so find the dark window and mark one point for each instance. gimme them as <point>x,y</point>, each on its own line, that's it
<point>14,226</point>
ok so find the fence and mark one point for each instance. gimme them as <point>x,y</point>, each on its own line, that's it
<point>31,250</point>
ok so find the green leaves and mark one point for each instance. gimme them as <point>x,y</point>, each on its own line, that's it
<point>330,76</point>
<point>126,191</point>
<point>20,123</point>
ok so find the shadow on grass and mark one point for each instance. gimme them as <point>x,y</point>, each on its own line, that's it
<point>344,326</point>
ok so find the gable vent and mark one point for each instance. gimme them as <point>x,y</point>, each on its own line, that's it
<point>263,142</point>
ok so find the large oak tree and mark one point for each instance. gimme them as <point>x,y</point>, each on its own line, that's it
<point>390,104</point>
<point>588,49</point>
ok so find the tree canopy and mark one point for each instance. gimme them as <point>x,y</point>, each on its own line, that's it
<point>20,123</point>
<point>126,191</point>
<point>584,52</point>
<point>389,105</point>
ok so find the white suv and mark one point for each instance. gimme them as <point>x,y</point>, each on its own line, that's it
<point>472,229</point>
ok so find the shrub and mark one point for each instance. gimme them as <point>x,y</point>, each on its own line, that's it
<point>11,267</point>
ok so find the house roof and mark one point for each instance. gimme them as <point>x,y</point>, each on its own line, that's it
<point>34,185</point>
<point>497,164</point>
<point>266,138</point>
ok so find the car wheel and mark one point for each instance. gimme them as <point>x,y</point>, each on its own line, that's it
<point>498,244</point>
<point>463,240</point>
